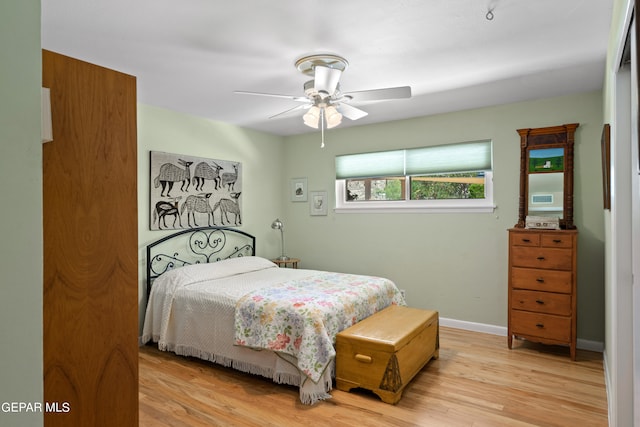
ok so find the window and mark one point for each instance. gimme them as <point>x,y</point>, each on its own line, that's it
<point>446,178</point>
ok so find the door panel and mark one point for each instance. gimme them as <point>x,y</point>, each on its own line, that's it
<point>90,303</point>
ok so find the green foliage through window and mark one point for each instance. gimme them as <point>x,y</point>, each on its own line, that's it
<point>469,185</point>
<point>448,186</point>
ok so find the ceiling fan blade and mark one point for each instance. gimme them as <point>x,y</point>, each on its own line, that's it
<point>351,112</point>
<point>290,110</point>
<point>380,94</point>
<point>326,79</point>
<point>274,95</point>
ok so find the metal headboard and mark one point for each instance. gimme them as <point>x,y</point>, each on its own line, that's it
<point>196,246</point>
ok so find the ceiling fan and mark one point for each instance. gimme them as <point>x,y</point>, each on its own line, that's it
<point>324,99</point>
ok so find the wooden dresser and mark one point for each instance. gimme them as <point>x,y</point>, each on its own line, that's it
<point>542,286</point>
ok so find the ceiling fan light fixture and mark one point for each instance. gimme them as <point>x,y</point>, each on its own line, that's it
<point>323,98</point>
<point>332,116</point>
<point>312,117</point>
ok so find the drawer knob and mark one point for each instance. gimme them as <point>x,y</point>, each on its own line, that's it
<point>540,325</point>
<point>540,258</point>
<point>557,241</point>
<point>539,301</point>
<point>363,358</point>
<point>526,240</point>
<point>540,280</point>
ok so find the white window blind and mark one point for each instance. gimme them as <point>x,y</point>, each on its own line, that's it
<point>367,165</point>
<point>461,157</point>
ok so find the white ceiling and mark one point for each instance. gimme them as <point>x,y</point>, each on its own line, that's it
<point>189,56</point>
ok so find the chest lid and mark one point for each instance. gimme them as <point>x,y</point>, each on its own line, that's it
<point>390,329</point>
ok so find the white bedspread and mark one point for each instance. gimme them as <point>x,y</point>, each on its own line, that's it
<point>191,312</point>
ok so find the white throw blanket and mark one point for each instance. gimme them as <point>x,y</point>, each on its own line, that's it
<point>191,312</point>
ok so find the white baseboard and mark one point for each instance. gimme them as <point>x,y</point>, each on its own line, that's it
<point>590,345</point>
<point>502,331</point>
<point>473,326</point>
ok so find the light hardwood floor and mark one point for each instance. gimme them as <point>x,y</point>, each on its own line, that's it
<point>477,381</point>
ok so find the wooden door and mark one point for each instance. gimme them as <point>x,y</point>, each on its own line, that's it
<point>90,303</point>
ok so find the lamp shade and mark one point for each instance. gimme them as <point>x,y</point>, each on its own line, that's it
<point>312,117</point>
<point>277,224</point>
<point>333,117</point>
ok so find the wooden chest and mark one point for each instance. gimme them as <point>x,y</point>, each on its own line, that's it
<point>542,286</point>
<point>385,351</point>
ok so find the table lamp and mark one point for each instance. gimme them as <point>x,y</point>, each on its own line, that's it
<point>278,225</point>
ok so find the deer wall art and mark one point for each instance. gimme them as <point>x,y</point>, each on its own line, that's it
<point>190,190</point>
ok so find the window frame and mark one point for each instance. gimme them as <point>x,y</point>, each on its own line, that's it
<point>433,159</point>
<point>485,205</point>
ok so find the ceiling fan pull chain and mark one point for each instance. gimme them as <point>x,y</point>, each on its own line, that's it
<point>322,126</point>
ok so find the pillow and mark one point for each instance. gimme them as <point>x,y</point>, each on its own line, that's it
<point>220,269</point>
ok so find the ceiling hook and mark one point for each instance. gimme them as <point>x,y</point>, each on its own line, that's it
<point>489,15</point>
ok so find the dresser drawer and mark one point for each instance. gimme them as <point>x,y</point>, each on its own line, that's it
<point>556,259</point>
<point>541,280</point>
<point>541,302</point>
<point>556,240</point>
<point>540,325</point>
<point>524,239</point>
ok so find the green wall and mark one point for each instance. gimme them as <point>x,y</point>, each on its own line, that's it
<point>261,156</point>
<point>455,263</point>
<point>21,225</point>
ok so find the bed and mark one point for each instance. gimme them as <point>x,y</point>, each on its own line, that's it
<point>209,296</point>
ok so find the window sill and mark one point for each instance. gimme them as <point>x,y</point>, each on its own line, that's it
<point>406,208</point>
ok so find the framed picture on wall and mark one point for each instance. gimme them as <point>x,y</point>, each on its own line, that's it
<point>318,203</point>
<point>188,192</point>
<point>299,190</point>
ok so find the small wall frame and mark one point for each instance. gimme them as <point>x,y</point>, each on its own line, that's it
<point>318,203</point>
<point>298,189</point>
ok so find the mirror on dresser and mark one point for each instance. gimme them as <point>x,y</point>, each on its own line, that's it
<point>546,176</point>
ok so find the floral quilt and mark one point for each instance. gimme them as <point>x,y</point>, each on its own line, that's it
<point>302,317</point>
